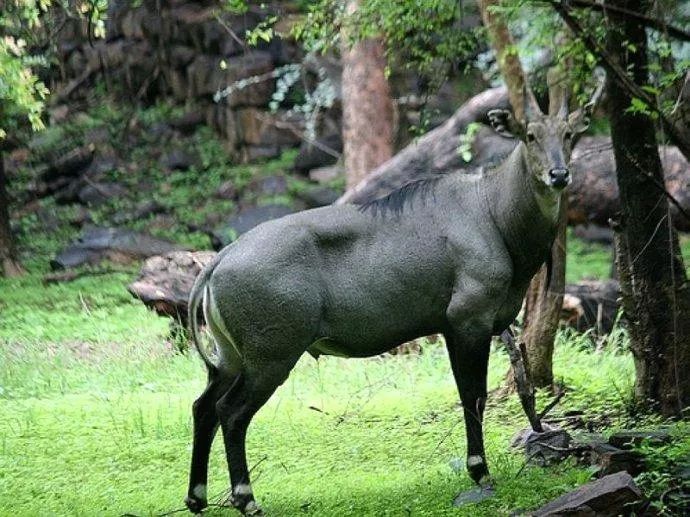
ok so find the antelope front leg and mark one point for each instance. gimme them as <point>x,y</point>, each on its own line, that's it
<point>469,361</point>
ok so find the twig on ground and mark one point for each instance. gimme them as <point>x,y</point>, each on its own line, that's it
<point>522,382</point>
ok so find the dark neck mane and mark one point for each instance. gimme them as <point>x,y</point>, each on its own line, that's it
<point>396,201</point>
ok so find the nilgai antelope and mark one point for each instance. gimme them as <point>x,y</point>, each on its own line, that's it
<point>452,254</point>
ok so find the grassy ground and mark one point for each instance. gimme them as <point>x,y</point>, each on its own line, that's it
<point>108,432</point>
<point>95,404</point>
<point>96,419</point>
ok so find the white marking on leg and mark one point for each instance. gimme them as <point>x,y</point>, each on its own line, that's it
<point>252,509</point>
<point>475,460</point>
<point>242,489</point>
<point>200,492</point>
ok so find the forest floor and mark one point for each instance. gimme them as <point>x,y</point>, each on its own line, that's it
<point>95,401</point>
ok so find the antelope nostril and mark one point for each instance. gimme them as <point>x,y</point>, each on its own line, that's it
<point>559,177</point>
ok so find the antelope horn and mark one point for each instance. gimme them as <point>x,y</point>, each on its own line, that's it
<point>596,96</point>
<point>532,109</point>
<point>558,93</point>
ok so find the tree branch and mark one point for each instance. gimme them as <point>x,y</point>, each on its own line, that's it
<point>561,7</point>
<point>647,21</point>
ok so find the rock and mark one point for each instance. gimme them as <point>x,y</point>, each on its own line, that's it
<point>222,119</point>
<point>102,164</point>
<point>165,281</point>
<point>325,151</point>
<point>68,191</point>
<point>94,194</point>
<point>188,122</point>
<point>206,75</point>
<point>227,190</point>
<point>252,153</point>
<point>609,459</point>
<point>97,136</point>
<point>179,159</point>
<point>245,221</point>
<point>318,196</point>
<point>58,114</point>
<point>591,304</point>
<point>326,175</point>
<point>474,495</point>
<point>543,448</point>
<point>70,164</point>
<point>131,24</point>
<point>81,217</point>
<point>630,439</point>
<point>261,128</point>
<point>594,233</point>
<point>269,185</point>
<point>143,210</point>
<point>615,494</point>
<point>181,55</point>
<point>116,244</point>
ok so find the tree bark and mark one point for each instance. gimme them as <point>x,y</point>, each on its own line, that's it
<point>653,278</point>
<point>8,252</point>
<point>368,111</point>
<point>506,57</point>
<point>543,308</point>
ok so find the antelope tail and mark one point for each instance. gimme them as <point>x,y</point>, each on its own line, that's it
<point>196,297</point>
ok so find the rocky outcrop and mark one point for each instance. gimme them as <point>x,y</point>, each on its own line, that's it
<point>114,244</point>
<point>189,51</point>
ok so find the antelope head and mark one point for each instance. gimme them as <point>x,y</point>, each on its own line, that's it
<point>548,140</point>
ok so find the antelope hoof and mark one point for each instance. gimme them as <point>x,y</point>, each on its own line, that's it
<point>194,504</point>
<point>253,510</point>
<point>245,503</point>
<point>250,508</point>
<point>476,466</point>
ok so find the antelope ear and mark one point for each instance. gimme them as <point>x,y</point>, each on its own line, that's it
<point>579,120</point>
<point>503,122</point>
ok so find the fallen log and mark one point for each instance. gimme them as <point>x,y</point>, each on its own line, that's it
<point>118,245</point>
<point>434,153</point>
<point>165,281</point>
<point>592,198</point>
<point>591,304</point>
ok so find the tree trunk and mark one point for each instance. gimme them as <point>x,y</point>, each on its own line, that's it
<point>368,110</point>
<point>543,303</point>
<point>653,278</point>
<point>506,57</point>
<point>8,253</point>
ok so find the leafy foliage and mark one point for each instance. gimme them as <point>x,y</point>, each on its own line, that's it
<point>425,36</point>
<point>22,94</point>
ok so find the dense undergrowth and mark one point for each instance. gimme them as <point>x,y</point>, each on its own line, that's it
<point>95,403</point>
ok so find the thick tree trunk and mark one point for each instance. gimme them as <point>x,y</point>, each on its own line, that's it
<point>8,254</point>
<point>653,278</point>
<point>543,303</point>
<point>368,111</point>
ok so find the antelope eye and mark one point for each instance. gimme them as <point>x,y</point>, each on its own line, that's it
<point>531,137</point>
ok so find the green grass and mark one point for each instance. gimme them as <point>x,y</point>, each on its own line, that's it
<point>587,260</point>
<point>109,432</point>
<point>96,418</point>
